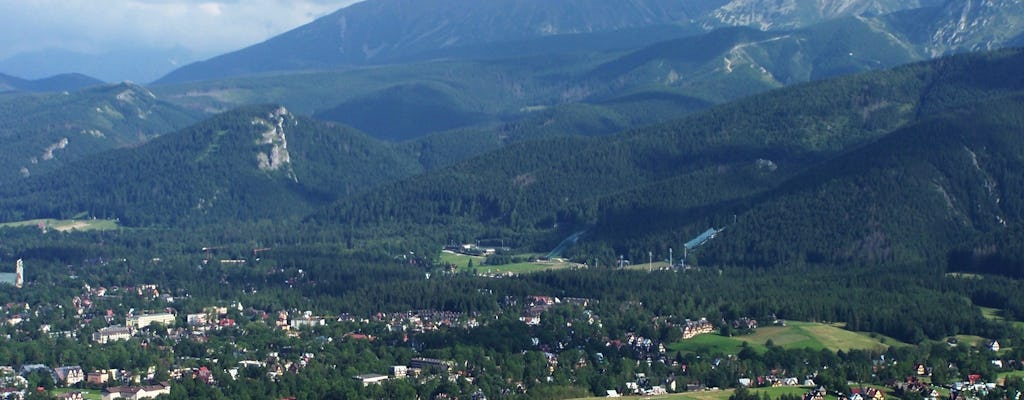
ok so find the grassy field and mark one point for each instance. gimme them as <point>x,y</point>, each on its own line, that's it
<point>648,267</point>
<point>996,314</point>
<point>524,268</point>
<point>1012,374</point>
<point>461,262</point>
<point>794,335</point>
<point>65,225</point>
<point>971,340</point>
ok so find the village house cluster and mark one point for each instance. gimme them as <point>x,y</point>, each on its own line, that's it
<point>162,323</point>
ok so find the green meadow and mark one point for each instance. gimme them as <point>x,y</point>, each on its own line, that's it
<point>794,335</point>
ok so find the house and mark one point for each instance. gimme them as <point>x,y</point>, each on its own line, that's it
<point>307,320</point>
<point>921,370</point>
<point>196,319</point>
<point>136,392</point>
<point>111,334</point>
<point>12,393</point>
<point>69,375</point>
<point>204,375</point>
<point>370,379</point>
<point>874,394</point>
<point>693,328</point>
<point>430,364</point>
<point>31,368</point>
<point>816,394</point>
<point>399,371</point>
<point>993,345</point>
<point>97,378</point>
<point>69,396</point>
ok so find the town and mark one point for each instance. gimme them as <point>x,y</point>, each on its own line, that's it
<point>143,341</point>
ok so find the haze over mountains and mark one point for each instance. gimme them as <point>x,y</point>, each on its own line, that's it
<point>798,124</point>
<point>383,32</point>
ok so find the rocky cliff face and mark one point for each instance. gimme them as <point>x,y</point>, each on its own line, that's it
<point>969,25</point>
<point>788,14</point>
<point>274,142</point>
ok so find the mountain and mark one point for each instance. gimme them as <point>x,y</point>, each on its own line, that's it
<point>657,186</point>
<point>790,14</point>
<point>379,32</point>
<point>407,101</point>
<point>406,111</point>
<point>244,165</point>
<point>959,26</point>
<point>56,83</point>
<point>41,132</point>
<point>913,196</point>
<point>730,63</point>
<point>124,64</point>
<point>432,83</point>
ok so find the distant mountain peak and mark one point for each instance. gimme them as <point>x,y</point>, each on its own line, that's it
<point>56,83</point>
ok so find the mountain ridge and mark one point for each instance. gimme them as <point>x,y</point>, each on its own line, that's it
<point>260,161</point>
<point>56,83</point>
<point>378,32</point>
<point>42,131</point>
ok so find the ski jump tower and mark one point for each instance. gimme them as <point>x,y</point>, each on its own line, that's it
<point>19,274</point>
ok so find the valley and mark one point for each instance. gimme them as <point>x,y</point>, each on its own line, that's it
<point>520,199</point>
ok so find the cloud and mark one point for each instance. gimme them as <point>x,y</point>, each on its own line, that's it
<point>204,27</point>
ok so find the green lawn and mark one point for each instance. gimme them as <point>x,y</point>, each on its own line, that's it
<point>65,225</point>
<point>1012,374</point>
<point>461,262</point>
<point>996,314</point>
<point>794,335</point>
<point>648,267</point>
<point>971,340</point>
<point>523,268</point>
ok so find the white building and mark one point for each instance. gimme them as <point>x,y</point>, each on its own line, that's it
<point>136,392</point>
<point>371,379</point>
<point>112,333</point>
<point>142,321</point>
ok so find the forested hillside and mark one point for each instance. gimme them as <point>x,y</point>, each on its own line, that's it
<point>650,188</point>
<point>908,197</point>
<point>41,132</point>
<point>245,165</point>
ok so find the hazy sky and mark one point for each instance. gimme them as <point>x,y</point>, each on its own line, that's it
<point>203,26</point>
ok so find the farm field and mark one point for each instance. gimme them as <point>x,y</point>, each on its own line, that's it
<point>794,335</point>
